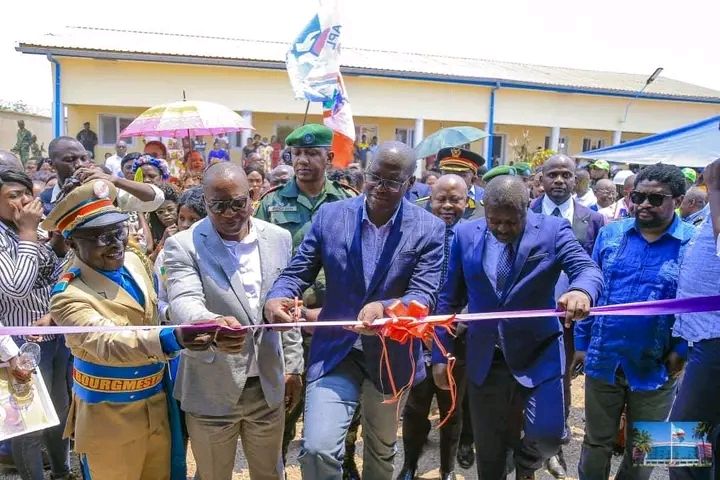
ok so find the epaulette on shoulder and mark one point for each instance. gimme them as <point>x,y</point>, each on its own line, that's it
<point>273,189</point>
<point>422,200</point>
<point>355,192</point>
<point>65,280</point>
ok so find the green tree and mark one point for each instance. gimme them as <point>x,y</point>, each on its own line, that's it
<point>642,444</point>
<point>702,430</point>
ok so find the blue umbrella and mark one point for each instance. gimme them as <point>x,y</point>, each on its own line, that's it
<point>448,137</point>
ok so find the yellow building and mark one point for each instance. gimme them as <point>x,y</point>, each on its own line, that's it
<point>107,77</point>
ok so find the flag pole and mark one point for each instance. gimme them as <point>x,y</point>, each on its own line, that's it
<point>307,107</point>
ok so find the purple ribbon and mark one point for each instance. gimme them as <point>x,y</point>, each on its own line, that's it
<point>648,308</point>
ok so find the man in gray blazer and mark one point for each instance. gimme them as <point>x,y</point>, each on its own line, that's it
<point>223,266</point>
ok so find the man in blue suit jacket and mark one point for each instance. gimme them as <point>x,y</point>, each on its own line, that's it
<point>374,249</point>
<point>511,260</point>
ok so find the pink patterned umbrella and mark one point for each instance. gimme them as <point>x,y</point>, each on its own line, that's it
<point>185,119</point>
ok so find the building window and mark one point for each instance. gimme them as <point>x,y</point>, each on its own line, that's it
<point>562,143</point>
<point>110,128</point>
<point>590,144</point>
<point>405,135</point>
<point>369,131</point>
<point>498,149</point>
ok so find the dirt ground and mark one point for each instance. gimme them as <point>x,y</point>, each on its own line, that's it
<point>429,463</point>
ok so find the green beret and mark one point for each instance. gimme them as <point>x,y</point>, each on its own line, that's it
<point>523,169</point>
<point>310,135</point>
<point>498,171</point>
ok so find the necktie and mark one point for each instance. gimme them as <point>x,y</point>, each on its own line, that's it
<point>556,212</point>
<point>446,252</point>
<point>504,268</point>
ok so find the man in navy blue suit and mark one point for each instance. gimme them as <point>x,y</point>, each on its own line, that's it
<point>511,260</point>
<point>375,249</point>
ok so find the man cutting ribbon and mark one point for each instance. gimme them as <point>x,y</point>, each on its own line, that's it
<point>120,417</point>
<point>511,260</point>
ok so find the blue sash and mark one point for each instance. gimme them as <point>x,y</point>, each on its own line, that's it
<point>94,383</point>
<point>100,383</point>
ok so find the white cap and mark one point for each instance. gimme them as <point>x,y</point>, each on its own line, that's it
<point>621,176</point>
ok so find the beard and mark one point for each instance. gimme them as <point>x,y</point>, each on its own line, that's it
<point>653,222</point>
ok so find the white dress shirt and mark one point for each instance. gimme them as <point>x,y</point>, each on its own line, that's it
<point>567,208</point>
<point>246,253</point>
<point>588,200</point>
<point>114,163</point>
<point>127,202</point>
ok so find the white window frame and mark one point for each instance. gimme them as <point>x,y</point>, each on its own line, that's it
<point>409,134</point>
<point>561,141</point>
<point>129,140</point>
<point>369,126</point>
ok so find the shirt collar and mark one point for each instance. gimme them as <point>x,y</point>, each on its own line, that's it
<point>390,222</point>
<point>675,229</point>
<point>249,239</point>
<point>471,192</point>
<point>548,205</point>
<point>55,193</point>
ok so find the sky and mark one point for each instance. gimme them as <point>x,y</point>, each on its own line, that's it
<point>661,431</point>
<point>633,36</point>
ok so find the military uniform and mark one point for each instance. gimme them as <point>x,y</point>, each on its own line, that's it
<point>288,207</point>
<point>119,414</point>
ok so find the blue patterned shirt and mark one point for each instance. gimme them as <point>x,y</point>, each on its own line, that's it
<point>699,276</point>
<point>634,270</point>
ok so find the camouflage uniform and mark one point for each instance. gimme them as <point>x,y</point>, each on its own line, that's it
<point>288,207</point>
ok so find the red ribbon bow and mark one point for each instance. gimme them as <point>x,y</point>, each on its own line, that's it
<point>407,323</point>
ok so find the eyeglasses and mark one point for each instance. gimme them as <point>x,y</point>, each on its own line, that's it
<point>236,205</point>
<point>390,185</point>
<point>108,238</point>
<point>654,199</point>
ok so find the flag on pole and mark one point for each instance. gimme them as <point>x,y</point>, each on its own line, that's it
<point>313,64</point>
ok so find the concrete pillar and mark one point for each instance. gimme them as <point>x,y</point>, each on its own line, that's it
<point>617,137</point>
<point>245,134</point>
<point>418,135</point>
<point>555,139</point>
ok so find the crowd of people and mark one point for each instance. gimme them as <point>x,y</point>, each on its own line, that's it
<point>223,247</point>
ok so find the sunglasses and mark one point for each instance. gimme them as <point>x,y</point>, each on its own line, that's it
<point>390,185</point>
<point>111,237</point>
<point>236,205</point>
<point>654,199</point>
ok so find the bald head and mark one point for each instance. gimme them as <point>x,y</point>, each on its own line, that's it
<point>8,161</point>
<point>694,201</point>
<point>280,175</point>
<point>397,156</point>
<point>605,192</point>
<point>507,191</point>
<point>629,185</point>
<point>450,181</point>
<point>697,194</point>
<point>223,172</point>
<point>559,160</point>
